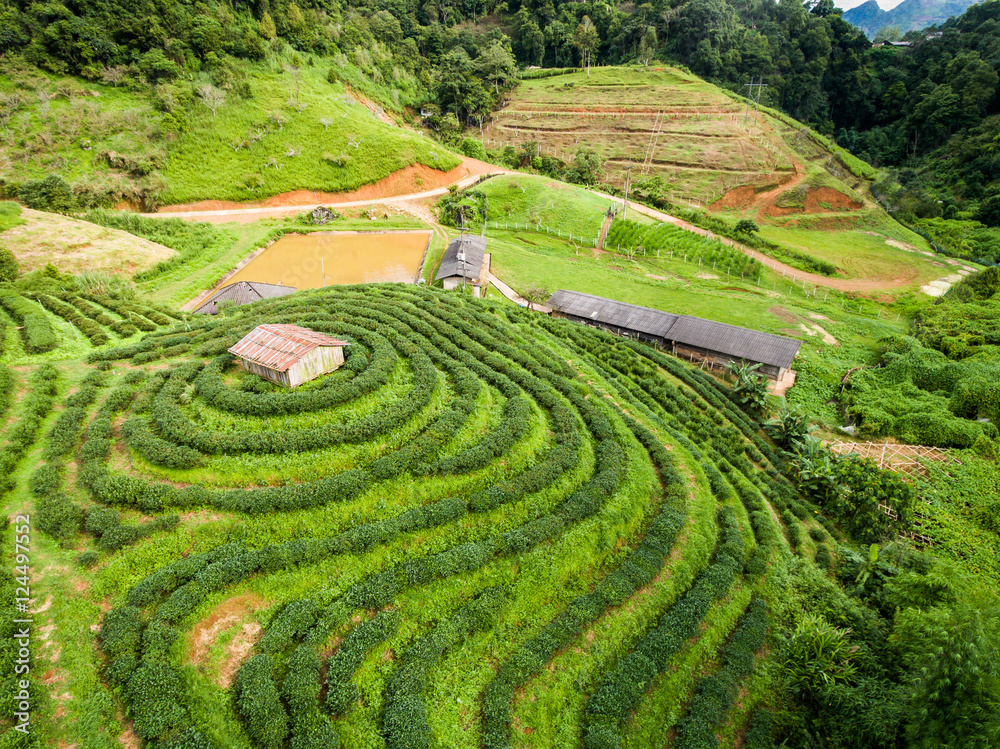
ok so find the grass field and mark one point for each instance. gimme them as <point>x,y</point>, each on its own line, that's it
<point>525,199</point>
<point>865,253</point>
<point>265,145</point>
<point>10,215</point>
<point>74,246</point>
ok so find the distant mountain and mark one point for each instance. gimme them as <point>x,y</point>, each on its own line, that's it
<point>908,15</point>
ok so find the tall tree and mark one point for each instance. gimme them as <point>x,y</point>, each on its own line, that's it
<point>587,40</point>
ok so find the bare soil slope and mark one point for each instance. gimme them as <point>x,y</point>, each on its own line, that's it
<point>411,179</point>
<point>74,246</point>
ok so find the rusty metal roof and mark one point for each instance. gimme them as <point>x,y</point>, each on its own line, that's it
<point>278,347</point>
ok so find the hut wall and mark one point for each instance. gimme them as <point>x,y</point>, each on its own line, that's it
<point>319,361</point>
<point>268,374</point>
<point>717,357</point>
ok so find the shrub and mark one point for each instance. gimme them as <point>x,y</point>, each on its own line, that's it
<point>58,516</point>
<point>259,702</point>
<point>53,193</point>
<point>35,328</point>
<point>9,268</point>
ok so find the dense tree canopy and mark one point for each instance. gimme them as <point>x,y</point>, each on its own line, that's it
<point>930,108</point>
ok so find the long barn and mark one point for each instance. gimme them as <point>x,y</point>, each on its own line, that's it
<point>686,336</point>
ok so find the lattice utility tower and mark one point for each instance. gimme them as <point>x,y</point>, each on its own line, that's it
<point>753,98</point>
<point>654,136</point>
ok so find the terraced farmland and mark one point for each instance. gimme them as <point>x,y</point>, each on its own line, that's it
<point>661,122</point>
<point>489,528</point>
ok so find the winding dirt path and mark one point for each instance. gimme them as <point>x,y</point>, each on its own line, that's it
<point>769,198</point>
<point>390,190</point>
<point>414,204</point>
<point>799,276</point>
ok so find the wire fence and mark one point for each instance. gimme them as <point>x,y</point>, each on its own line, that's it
<point>788,285</point>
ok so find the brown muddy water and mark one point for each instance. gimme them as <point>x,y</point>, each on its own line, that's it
<point>302,260</point>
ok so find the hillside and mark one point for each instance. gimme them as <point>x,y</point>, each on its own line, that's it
<point>673,129</point>
<point>284,131</point>
<point>664,123</point>
<point>493,527</point>
<point>474,534</point>
<point>909,15</point>
<point>75,246</point>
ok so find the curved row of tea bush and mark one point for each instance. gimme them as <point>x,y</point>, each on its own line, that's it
<point>36,330</point>
<point>34,408</point>
<point>622,689</point>
<point>715,693</point>
<point>586,416</point>
<point>490,498</point>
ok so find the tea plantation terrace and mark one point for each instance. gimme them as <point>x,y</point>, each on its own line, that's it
<point>690,337</point>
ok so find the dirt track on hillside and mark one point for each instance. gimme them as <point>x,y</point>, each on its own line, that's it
<point>799,276</point>
<point>416,180</point>
<point>284,204</point>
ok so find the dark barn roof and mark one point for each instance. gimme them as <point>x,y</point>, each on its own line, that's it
<point>739,343</point>
<point>652,322</point>
<point>244,292</point>
<point>742,343</point>
<point>474,247</point>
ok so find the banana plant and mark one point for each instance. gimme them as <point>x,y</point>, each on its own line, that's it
<point>750,389</point>
<point>789,427</point>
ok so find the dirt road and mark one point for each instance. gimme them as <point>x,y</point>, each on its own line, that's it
<point>413,203</point>
<point>384,192</point>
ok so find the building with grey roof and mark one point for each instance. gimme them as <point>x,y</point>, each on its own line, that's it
<point>630,320</point>
<point>452,270</point>
<point>689,337</point>
<point>243,292</point>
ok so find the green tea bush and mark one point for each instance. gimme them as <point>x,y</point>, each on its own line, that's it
<point>138,436</point>
<point>715,694</point>
<point>341,692</point>
<point>621,690</point>
<point>94,333</point>
<point>35,328</point>
<point>259,702</point>
<point>667,238</point>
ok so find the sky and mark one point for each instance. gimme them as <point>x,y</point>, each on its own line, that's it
<point>848,4</point>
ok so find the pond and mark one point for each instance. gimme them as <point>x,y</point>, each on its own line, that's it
<point>310,261</point>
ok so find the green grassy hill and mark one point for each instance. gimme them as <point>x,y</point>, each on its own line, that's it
<point>278,128</point>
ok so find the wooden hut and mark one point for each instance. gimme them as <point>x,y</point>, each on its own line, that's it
<point>452,269</point>
<point>689,337</point>
<point>288,354</point>
<point>242,292</point>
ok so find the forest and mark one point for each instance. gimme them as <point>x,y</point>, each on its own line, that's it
<point>929,111</point>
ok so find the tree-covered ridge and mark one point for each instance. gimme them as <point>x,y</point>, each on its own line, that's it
<point>930,108</point>
<point>907,16</point>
